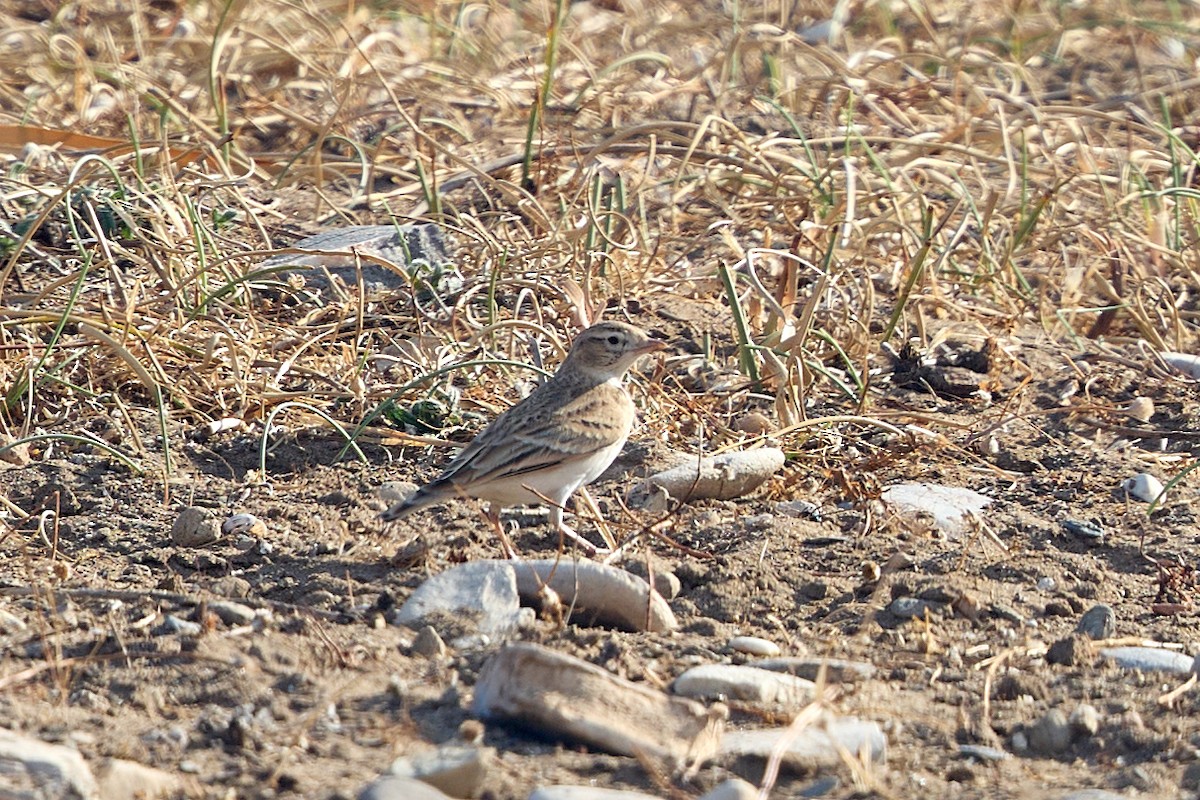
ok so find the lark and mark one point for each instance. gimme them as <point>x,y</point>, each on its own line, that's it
<point>559,438</point>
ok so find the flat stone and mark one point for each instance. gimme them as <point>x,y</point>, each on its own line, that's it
<point>745,684</point>
<point>732,789</point>
<point>479,597</point>
<point>37,769</point>
<point>394,787</point>
<point>814,747</point>
<point>753,645</point>
<point>565,697</point>
<point>610,595</point>
<point>457,770</point>
<point>1149,659</point>
<point>429,644</point>
<point>231,613</point>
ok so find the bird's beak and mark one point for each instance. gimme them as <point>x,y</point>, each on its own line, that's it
<point>651,346</point>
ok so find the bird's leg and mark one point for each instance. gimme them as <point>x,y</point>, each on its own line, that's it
<point>556,520</point>
<point>506,545</point>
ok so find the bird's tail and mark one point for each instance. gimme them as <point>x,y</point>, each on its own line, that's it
<point>418,499</point>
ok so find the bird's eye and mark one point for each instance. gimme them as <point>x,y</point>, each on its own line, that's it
<point>614,340</point>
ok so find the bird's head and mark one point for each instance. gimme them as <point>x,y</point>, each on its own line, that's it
<point>608,349</point>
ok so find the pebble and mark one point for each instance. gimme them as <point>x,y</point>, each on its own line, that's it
<point>1144,487</point>
<point>913,607</point>
<point>981,753</point>
<point>754,646</point>
<point>1098,622</point>
<point>837,670</point>
<point>814,747</point>
<point>1051,734</point>
<point>1085,720</point>
<point>231,613</point>
<point>666,583</point>
<point>479,597</point>
<point>195,527</point>
<point>10,623</point>
<point>724,477</point>
<point>394,787</point>
<point>457,770</point>
<point>1140,408</point>
<point>174,624</point>
<point>128,780</point>
<point>1150,659</point>
<point>745,684</point>
<point>244,525</point>
<point>1087,531</point>
<point>51,769</point>
<point>608,595</point>
<point>429,644</point>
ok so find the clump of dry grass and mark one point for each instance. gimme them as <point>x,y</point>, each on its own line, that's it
<point>932,167</point>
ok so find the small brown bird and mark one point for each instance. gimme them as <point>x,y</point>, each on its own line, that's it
<point>559,438</point>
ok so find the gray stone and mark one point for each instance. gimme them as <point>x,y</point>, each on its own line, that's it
<point>814,747</point>
<point>913,607</point>
<point>477,597</point>
<point>184,627</point>
<point>1051,734</point>
<point>745,684</point>
<point>394,787</point>
<point>36,769</point>
<point>457,770</point>
<point>1092,794</point>
<point>1098,622</point>
<point>1149,659</point>
<point>982,753</point>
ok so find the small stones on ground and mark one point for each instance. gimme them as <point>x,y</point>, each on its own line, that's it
<point>429,644</point>
<point>745,684</point>
<point>10,623</point>
<point>1082,529</point>
<point>1186,363</point>
<point>562,696</point>
<point>837,670</point>
<point>394,787</point>
<point>753,645</point>
<point>219,426</point>
<point>195,527</point>
<point>1098,622</point>
<point>913,607</point>
<point>666,583</point>
<point>184,627</point>
<point>1051,734</point>
<point>723,477</point>
<point>812,748</point>
<point>476,597</point>
<point>1144,487</point>
<point>1140,408</point>
<point>1149,659</point>
<point>33,768</point>
<point>457,770</point>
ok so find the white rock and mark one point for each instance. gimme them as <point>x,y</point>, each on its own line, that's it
<point>457,770</point>
<point>837,670</point>
<point>1186,363</point>
<point>244,525</point>
<point>745,684</point>
<point>754,646</point>
<point>476,597</point>
<point>1140,408</point>
<point>1145,487</point>
<point>43,770</point>
<point>394,787</point>
<point>561,696</point>
<point>949,506</point>
<point>812,748</point>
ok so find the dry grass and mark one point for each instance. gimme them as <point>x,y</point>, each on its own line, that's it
<point>1020,176</point>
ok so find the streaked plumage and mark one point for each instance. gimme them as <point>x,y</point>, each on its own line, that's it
<point>559,438</point>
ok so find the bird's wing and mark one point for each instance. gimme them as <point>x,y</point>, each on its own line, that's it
<point>543,431</point>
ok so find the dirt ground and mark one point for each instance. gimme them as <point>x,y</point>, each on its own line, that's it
<point>316,702</point>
